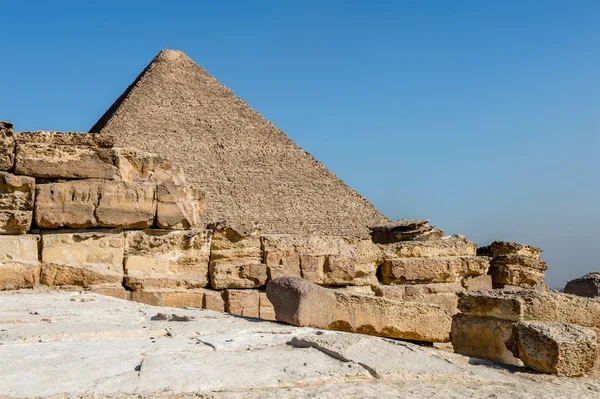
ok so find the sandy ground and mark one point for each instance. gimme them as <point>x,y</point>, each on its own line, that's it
<point>81,345</point>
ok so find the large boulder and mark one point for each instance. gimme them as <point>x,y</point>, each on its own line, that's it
<point>556,348</point>
<point>7,146</point>
<point>95,203</point>
<point>16,203</point>
<point>367,314</point>
<point>299,302</point>
<point>447,246</point>
<point>588,285</point>
<point>324,260</point>
<point>450,269</point>
<point>166,259</point>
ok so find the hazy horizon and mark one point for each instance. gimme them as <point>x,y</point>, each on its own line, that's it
<point>483,117</point>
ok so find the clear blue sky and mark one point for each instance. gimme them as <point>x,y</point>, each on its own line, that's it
<point>481,115</point>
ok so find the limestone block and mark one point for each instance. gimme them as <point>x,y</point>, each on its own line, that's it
<point>66,139</point>
<point>266,310</point>
<point>115,292</point>
<point>214,300</point>
<point>499,248</point>
<point>474,283</point>
<point>95,203</point>
<point>449,269</point>
<point>65,161</point>
<point>301,303</point>
<point>18,275</point>
<point>22,248</point>
<point>448,246</point>
<point>556,348</point>
<point>243,302</point>
<point>193,298</point>
<point>16,203</point>
<point>166,259</point>
<point>443,294</point>
<point>324,260</point>
<point>588,285</point>
<point>237,273</point>
<point>484,337</point>
<point>516,270</point>
<point>404,230</point>
<point>373,315</point>
<point>7,146</point>
<point>82,258</point>
<point>526,305</point>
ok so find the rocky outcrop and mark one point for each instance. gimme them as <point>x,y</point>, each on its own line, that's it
<point>587,286</point>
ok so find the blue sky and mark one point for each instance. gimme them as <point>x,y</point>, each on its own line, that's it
<point>481,115</point>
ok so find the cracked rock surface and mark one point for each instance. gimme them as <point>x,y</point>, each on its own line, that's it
<point>83,345</point>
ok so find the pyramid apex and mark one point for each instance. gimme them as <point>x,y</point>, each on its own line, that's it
<point>169,54</point>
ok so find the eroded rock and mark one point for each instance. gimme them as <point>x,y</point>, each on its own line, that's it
<point>448,246</point>
<point>449,269</point>
<point>243,302</point>
<point>587,286</point>
<point>193,298</point>
<point>7,146</point>
<point>16,203</point>
<point>498,248</point>
<point>404,230</point>
<point>517,270</point>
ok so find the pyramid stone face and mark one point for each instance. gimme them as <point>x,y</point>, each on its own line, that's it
<point>249,170</point>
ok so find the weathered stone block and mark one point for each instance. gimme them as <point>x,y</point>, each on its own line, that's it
<point>587,286</point>
<point>556,348</point>
<point>475,283</point>
<point>22,248</point>
<point>266,310</point>
<point>371,315</point>
<point>500,248</point>
<point>432,270</point>
<point>448,246</point>
<point>113,291</point>
<point>324,260</point>
<point>484,337</point>
<point>301,303</point>
<point>82,258</point>
<point>16,203</point>
<point>95,203</point>
<point>443,294</point>
<point>243,302</point>
<point>516,270</point>
<point>237,273</point>
<point>7,146</point>
<point>404,230</point>
<point>18,275</point>
<point>214,300</point>
<point>65,161</point>
<point>171,298</point>
<point>166,259</point>
<point>66,139</point>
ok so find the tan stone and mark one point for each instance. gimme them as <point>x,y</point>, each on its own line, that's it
<point>499,248</point>
<point>22,248</point>
<point>166,259</point>
<point>432,270</point>
<point>7,146</point>
<point>65,138</point>
<point>62,161</point>
<point>448,246</point>
<point>588,285</point>
<point>82,258</point>
<point>18,275</point>
<point>517,270</point>
<point>171,298</point>
<point>371,315</point>
<point>214,300</point>
<point>243,302</point>
<point>484,337</point>
<point>95,203</point>
<point>301,303</point>
<point>266,310</point>
<point>115,292</point>
<point>237,273</point>
<point>556,348</point>
<point>474,283</point>
<point>525,304</point>
<point>324,260</point>
<point>16,203</point>
<point>443,294</point>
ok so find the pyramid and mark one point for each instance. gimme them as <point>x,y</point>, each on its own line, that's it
<point>249,170</point>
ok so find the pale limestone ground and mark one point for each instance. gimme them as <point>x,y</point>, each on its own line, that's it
<point>81,345</point>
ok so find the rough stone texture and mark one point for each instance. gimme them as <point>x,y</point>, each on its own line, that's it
<point>516,270</point>
<point>82,258</point>
<point>484,337</point>
<point>449,269</point>
<point>476,283</point>
<point>166,259</point>
<point>448,246</point>
<point>324,260</point>
<point>214,300</point>
<point>249,170</point>
<point>18,275</point>
<point>556,348</point>
<point>588,285</point>
<point>237,273</point>
<point>266,310</point>
<point>7,146</point>
<point>112,291</point>
<point>443,294</point>
<point>404,230</point>
<point>498,248</point>
<point>243,302</point>
<point>171,298</point>
<point>371,315</point>
<point>65,161</point>
<point>16,203</point>
<point>526,305</point>
<point>66,139</point>
<point>301,303</point>
<point>22,248</point>
<point>95,203</point>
